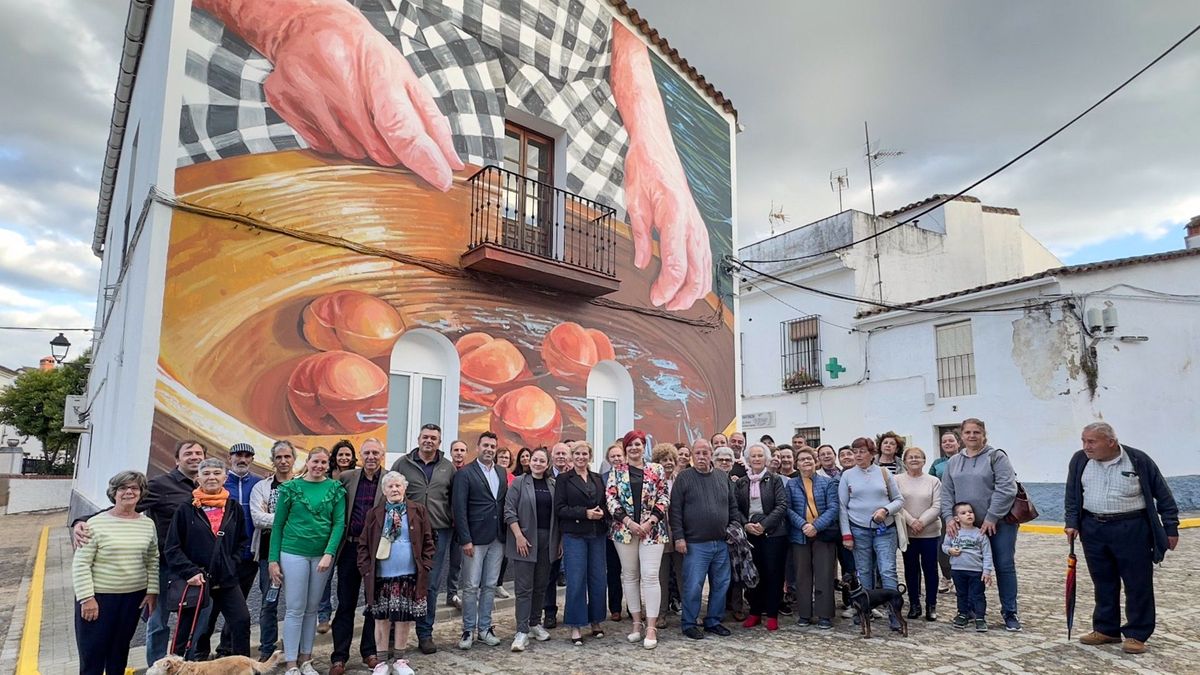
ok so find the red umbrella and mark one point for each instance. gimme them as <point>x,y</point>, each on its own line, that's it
<point>1072,561</point>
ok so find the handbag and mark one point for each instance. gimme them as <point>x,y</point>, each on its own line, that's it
<point>177,589</point>
<point>901,518</point>
<point>1023,509</point>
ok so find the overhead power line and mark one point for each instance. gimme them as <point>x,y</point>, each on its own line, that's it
<point>1003,167</point>
<point>47,329</point>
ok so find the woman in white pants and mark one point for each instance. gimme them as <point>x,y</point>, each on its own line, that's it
<point>638,500</point>
<point>310,517</point>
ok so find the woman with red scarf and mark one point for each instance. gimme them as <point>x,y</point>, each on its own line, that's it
<point>202,549</point>
<point>638,501</point>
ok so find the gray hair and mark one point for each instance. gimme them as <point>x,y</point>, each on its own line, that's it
<point>701,443</point>
<point>765,449</point>
<point>371,441</point>
<point>723,452</point>
<point>282,444</point>
<point>393,477</point>
<point>123,478</point>
<point>211,462</point>
<point>1102,428</point>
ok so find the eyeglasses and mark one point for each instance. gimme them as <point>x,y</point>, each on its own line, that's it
<point>129,488</point>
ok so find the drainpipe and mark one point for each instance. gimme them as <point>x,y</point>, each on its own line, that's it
<point>131,53</point>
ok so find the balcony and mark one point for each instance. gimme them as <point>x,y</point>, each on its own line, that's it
<point>530,231</point>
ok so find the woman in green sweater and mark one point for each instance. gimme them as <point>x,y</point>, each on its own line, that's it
<point>310,517</point>
<point>115,576</point>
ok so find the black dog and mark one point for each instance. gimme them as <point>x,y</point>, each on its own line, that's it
<point>866,600</point>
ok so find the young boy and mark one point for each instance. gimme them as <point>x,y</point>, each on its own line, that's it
<point>970,566</point>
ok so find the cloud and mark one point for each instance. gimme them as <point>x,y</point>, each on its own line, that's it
<point>25,347</point>
<point>50,263</point>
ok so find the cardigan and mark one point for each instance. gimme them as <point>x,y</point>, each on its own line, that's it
<point>923,502</point>
<point>419,533</point>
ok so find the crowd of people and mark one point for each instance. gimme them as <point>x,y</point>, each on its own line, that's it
<point>771,530</point>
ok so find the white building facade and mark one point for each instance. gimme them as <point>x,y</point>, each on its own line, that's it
<point>1004,337</point>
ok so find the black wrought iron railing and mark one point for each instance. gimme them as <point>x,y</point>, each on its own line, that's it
<point>522,214</point>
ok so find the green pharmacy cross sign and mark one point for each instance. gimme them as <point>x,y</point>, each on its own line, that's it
<point>834,368</point>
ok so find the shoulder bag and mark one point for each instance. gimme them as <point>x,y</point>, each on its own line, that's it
<point>178,595</point>
<point>901,518</point>
<point>1023,508</point>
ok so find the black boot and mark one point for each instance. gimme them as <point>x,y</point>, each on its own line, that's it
<point>914,612</point>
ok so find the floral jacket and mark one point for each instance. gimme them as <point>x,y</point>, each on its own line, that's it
<point>655,500</point>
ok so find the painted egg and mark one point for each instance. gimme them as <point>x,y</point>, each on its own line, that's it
<point>526,417</point>
<point>338,392</point>
<point>352,321</point>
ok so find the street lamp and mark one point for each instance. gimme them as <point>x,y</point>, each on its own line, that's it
<point>59,347</point>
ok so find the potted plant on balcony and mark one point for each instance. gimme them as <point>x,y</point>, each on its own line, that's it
<point>800,379</point>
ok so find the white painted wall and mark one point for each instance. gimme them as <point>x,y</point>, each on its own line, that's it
<point>37,494</point>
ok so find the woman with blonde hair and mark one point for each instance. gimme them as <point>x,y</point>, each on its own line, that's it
<point>581,506</point>
<point>923,505</point>
<point>638,501</point>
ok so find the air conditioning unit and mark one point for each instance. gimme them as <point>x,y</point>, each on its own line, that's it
<point>75,415</point>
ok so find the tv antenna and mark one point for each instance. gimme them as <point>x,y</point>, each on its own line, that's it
<point>775,217</point>
<point>839,182</point>
<point>875,157</point>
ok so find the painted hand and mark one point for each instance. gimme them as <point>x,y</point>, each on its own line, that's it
<point>349,92</point>
<point>659,200</point>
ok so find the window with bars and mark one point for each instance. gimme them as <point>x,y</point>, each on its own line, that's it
<point>800,347</point>
<point>955,360</point>
<point>811,435</point>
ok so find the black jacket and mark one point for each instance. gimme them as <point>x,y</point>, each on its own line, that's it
<point>572,500</point>
<point>1161,510</point>
<point>190,541</point>
<point>774,504</point>
<point>478,516</point>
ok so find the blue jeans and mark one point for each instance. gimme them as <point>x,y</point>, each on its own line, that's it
<point>583,562</point>
<point>1004,558</point>
<point>158,630</point>
<point>443,537</point>
<point>325,610</point>
<point>479,574</point>
<point>875,552</point>
<point>268,615</point>
<point>705,559</point>
<point>968,588</point>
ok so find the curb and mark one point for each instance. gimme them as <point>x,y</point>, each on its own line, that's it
<point>1057,528</point>
<point>31,632</point>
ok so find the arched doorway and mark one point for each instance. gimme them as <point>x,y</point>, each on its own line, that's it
<point>609,406</point>
<point>422,388</point>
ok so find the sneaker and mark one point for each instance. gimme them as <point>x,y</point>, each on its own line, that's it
<point>1011,623</point>
<point>848,613</point>
<point>825,624</point>
<point>772,624</point>
<point>1133,646</point>
<point>803,621</point>
<point>489,638</point>
<point>467,640</point>
<point>718,630</point>
<point>981,625</point>
<point>785,609</point>
<point>944,586</point>
<point>401,667</point>
<point>876,614</point>
<point>540,634</point>
<point>292,671</point>
<point>381,669</point>
<point>306,668</point>
<point>1095,639</point>
<point>456,601</point>
<point>693,632</point>
<point>502,593</point>
<point>520,640</point>
<point>751,621</point>
<point>961,621</point>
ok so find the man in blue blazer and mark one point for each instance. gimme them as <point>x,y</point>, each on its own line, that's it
<point>478,499</point>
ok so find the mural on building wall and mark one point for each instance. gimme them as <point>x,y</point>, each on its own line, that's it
<point>347,135</point>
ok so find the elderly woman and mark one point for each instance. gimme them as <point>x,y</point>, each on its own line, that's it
<point>891,449</point>
<point>868,499</point>
<point>581,506</point>
<point>950,443</point>
<point>813,512</point>
<point>827,462</point>
<point>762,499</point>
<point>116,577</point>
<point>683,457</point>
<point>310,518</point>
<point>638,500</point>
<point>723,460</point>
<point>533,545</point>
<point>395,556</point>
<point>666,456</point>
<point>923,505</point>
<point>984,477</point>
<point>203,548</point>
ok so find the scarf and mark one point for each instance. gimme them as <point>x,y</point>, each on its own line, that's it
<point>205,500</point>
<point>393,520</point>
<point>756,483</point>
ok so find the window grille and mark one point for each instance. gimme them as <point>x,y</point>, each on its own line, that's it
<point>800,347</point>
<point>955,360</point>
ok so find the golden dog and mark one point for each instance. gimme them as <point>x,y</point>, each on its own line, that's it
<point>229,665</point>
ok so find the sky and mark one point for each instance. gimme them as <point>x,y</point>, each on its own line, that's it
<point>960,86</point>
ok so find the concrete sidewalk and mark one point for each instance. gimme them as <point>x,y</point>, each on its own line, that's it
<point>931,647</point>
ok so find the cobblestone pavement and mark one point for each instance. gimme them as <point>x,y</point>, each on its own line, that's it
<point>18,545</point>
<point>931,648</point>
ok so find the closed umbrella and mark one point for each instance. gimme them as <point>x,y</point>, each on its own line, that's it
<point>1072,562</point>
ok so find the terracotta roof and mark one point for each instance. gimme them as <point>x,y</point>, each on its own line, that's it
<point>927,200</point>
<point>1053,272</point>
<point>673,55</point>
<point>1007,210</point>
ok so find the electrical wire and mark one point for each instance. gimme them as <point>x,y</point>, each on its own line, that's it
<point>47,329</point>
<point>885,305</point>
<point>1003,167</point>
<point>804,313</point>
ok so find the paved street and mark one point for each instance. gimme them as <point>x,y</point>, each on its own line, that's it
<point>936,648</point>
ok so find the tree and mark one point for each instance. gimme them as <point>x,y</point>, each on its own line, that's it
<point>34,406</point>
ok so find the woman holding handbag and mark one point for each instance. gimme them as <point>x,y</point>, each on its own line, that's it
<point>203,547</point>
<point>310,517</point>
<point>395,556</point>
<point>813,513</point>
<point>869,501</point>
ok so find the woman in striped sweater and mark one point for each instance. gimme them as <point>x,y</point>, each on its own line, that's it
<point>116,577</point>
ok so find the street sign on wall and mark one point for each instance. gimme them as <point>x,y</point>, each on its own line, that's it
<point>759,420</point>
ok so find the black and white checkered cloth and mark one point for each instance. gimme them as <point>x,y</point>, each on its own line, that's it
<point>548,58</point>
